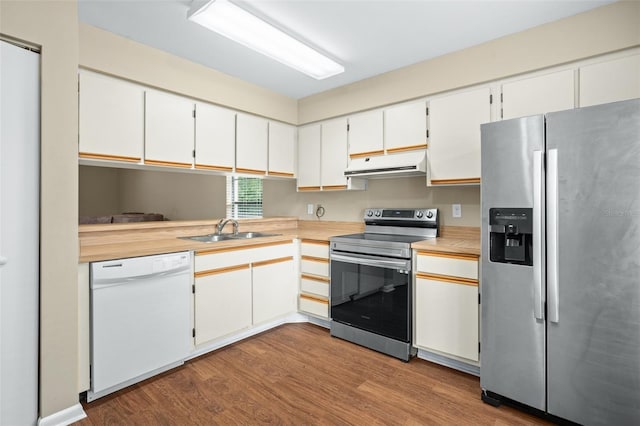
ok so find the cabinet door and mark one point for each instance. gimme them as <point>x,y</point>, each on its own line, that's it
<point>251,144</point>
<point>447,317</point>
<point>309,158</point>
<point>610,81</point>
<point>169,130</point>
<point>274,289</point>
<point>222,302</point>
<point>538,95</point>
<point>215,137</point>
<point>454,145</point>
<point>366,134</point>
<point>282,148</point>
<point>111,118</point>
<point>405,127</point>
<point>334,154</point>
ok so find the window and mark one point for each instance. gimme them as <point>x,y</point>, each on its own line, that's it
<point>244,197</point>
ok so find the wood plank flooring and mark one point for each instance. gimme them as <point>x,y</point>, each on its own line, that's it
<point>297,374</point>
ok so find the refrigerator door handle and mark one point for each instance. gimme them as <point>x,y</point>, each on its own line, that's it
<point>538,209</point>
<point>552,237</point>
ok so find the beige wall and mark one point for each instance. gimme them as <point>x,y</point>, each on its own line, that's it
<point>109,53</point>
<point>54,26</point>
<point>602,30</point>
<point>99,191</point>
<point>281,199</point>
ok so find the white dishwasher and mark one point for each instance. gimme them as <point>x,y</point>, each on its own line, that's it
<point>140,319</point>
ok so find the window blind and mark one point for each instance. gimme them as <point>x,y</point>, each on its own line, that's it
<point>244,197</point>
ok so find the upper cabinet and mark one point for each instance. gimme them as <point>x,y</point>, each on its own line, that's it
<point>365,134</point>
<point>538,95</point>
<point>169,130</point>
<point>610,81</point>
<point>251,144</point>
<point>282,148</point>
<point>405,127</point>
<point>111,118</point>
<point>454,145</point>
<point>334,154</point>
<point>309,139</point>
<point>215,138</point>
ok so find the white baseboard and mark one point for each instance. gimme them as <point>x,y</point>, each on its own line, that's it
<point>449,362</point>
<point>64,417</point>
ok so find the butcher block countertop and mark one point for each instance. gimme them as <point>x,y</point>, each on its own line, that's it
<point>121,240</point>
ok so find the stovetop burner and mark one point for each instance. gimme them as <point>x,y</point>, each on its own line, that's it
<point>384,238</point>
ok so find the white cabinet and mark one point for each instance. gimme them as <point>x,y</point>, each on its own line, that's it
<point>309,141</point>
<point>215,138</point>
<point>446,305</point>
<point>222,302</point>
<point>274,289</point>
<point>111,118</point>
<point>169,130</point>
<point>365,134</point>
<point>282,148</point>
<point>333,160</point>
<point>538,95</point>
<point>314,278</point>
<point>405,127</point>
<point>238,287</point>
<point>454,140</point>
<point>610,81</point>
<point>251,144</point>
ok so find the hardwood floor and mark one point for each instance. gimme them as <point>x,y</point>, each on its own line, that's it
<point>297,374</point>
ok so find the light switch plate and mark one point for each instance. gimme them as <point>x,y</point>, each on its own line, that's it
<point>456,210</point>
<point>310,209</point>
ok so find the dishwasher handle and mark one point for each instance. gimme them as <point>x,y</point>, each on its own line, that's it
<point>97,284</point>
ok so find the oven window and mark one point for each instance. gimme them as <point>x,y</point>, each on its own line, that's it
<point>372,298</point>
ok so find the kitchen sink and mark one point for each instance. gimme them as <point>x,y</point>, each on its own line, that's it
<point>212,238</point>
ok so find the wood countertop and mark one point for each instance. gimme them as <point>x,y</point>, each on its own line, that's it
<point>118,241</point>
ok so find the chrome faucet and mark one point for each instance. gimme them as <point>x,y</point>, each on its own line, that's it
<point>220,226</point>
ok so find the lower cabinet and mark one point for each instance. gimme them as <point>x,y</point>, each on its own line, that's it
<point>314,278</point>
<point>222,302</point>
<point>239,287</point>
<point>446,305</point>
<point>274,289</point>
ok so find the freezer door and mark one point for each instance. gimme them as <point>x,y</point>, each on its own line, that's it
<point>512,326</point>
<point>594,306</point>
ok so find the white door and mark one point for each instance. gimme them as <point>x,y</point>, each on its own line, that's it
<point>111,114</point>
<point>251,144</point>
<point>282,149</point>
<point>309,158</point>
<point>334,154</point>
<point>19,234</point>
<point>610,81</point>
<point>538,95</point>
<point>169,130</point>
<point>365,134</point>
<point>215,137</point>
<point>274,289</point>
<point>405,127</point>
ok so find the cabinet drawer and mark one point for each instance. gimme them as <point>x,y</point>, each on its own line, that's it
<point>315,248</point>
<point>314,306</point>
<point>314,285</point>
<point>452,265</point>
<point>229,256</point>
<point>314,266</point>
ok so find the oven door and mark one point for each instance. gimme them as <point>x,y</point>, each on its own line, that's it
<point>372,293</point>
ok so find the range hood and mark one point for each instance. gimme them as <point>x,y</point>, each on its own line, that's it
<point>391,165</point>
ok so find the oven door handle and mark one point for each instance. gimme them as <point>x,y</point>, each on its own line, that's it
<point>373,261</point>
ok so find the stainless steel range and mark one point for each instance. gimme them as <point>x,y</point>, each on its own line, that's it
<point>371,295</point>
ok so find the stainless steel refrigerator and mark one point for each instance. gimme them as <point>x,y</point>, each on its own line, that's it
<point>560,274</point>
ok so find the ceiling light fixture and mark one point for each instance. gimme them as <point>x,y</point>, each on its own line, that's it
<point>237,24</point>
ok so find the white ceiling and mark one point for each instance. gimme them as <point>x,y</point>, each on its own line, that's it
<point>369,37</point>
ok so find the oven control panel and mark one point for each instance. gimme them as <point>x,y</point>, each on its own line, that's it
<point>401,215</point>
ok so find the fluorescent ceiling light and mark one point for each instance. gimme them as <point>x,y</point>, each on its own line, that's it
<point>235,23</point>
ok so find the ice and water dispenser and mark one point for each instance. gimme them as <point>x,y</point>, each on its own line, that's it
<point>511,235</point>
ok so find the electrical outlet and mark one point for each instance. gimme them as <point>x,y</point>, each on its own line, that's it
<point>310,209</point>
<point>456,210</point>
